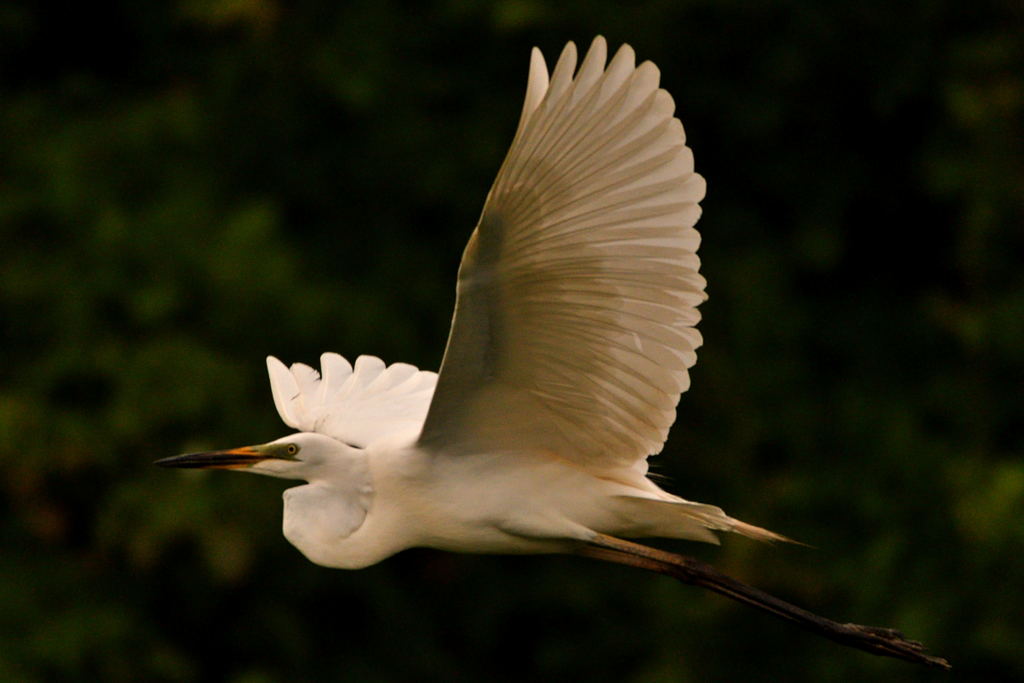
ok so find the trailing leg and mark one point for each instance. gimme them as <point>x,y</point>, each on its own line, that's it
<point>879,641</point>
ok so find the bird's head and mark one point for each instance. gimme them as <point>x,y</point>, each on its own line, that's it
<point>306,455</point>
<point>320,514</point>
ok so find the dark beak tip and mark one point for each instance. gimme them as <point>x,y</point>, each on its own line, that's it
<point>176,461</point>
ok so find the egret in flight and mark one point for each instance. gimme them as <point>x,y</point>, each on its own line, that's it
<point>573,330</point>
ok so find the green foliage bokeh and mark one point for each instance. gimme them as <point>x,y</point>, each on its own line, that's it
<point>186,187</point>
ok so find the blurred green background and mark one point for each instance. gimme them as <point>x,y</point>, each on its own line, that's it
<point>186,187</point>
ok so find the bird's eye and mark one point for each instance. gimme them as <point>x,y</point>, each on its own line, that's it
<point>291,449</point>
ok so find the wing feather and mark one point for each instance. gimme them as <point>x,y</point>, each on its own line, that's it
<point>357,404</point>
<point>573,326</point>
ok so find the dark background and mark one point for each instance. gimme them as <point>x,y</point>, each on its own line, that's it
<point>186,187</point>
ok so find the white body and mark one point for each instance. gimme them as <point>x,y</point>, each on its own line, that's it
<point>522,503</point>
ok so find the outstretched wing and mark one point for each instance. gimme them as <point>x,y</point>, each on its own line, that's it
<point>577,294</point>
<point>356,405</point>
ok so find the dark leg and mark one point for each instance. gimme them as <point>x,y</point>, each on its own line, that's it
<point>879,641</point>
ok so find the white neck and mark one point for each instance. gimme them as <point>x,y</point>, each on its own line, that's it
<point>321,516</point>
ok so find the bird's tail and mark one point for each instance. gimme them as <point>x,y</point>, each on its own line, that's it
<point>691,521</point>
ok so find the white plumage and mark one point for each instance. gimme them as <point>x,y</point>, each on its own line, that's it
<point>356,405</point>
<point>577,293</point>
<point>570,345</point>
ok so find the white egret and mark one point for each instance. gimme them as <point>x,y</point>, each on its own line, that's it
<point>573,331</point>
